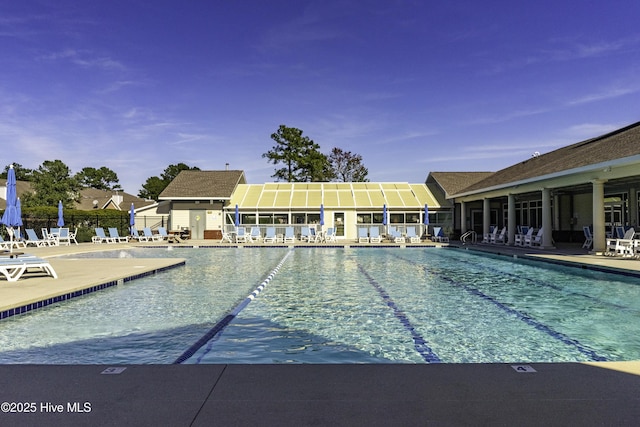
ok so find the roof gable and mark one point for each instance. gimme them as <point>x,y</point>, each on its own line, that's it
<point>615,145</point>
<point>194,184</point>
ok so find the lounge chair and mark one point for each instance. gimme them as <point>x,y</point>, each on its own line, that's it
<point>226,237</point>
<point>64,237</point>
<point>162,233</point>
<point>330,235</point>
<point>100,237</point>
<point>149,236</point>
<point>33,239</point>
<point>438,235</point>
<point>270,236</point>
<point>363,235</point>
<point>588,238</point>
<point>622,247</point>
<point>115,235</point>
<point>374,235</point>
<point>13,268</point>
<point>305,234</point>
<point>499,238</point>
<point>72,236</point>
<point>289,235</point>
<point>313,235</point>
<point>488,237</point>
<point>520,239</point>
<point>536,240</point>
<point>242,236</point>
<point>395,236</point>
<point>412,236</point>
<point>256,235</point>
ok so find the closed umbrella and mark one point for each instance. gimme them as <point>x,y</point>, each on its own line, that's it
<point>11,217</point>
<point>321,214</point>
<point>237,216</point>
<point>60,222</point>
<point>132,219</point>
<point>384,215</point>
<point>426,219</point>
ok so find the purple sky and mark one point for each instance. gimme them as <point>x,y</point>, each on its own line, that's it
<point>411,86</point>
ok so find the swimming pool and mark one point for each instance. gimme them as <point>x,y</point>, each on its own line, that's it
<point>334,305</point>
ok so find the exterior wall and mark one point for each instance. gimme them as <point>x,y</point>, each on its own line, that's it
<point>583,211</point>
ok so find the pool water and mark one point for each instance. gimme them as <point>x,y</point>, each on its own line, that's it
<point>334,305</point>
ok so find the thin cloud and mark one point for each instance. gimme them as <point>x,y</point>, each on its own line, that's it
<point>85,59</point>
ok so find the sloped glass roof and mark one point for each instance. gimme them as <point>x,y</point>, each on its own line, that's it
<point>333,195</point>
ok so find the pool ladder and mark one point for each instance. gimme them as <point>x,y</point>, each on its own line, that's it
<point>469,235</point>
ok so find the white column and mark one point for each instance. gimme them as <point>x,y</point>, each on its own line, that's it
<point>599,236</point>
<point>633,208</point>
<point>511,219</point>
<point>463,217</point>
<point>547,232</point>
<point>486,216</point>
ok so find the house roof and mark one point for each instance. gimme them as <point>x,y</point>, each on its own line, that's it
<point>454,182</point>
<point>108,199</point>
<point>197,185</point>
<point>616,145</point>
<point>333,195</point>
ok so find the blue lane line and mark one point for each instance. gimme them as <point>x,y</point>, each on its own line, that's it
<point>550,285</point>
<point>418,341</point>
<point>219,327</point>
<point>522,316</point>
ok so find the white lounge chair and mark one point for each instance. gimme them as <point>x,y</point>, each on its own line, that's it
<point>289,236</point>
<point>488,237</point>
<point>395,236</point>
<point>363,235</point>
<point>255,235</point>
<point>242,236</point>
<point>536,240</point>
<point>162,232</point>
<point>622,247</point>
<point>64,237</point>
<point>520,239</point>
<point>226,237</point>
<point>412,236</point>
<point>13,268</point>
<point>588,238</point>
<point>313,236</point>
<point>499,238</point>
<point>270,236</point>
<point>33,239</point>
<point>100,237</point>
<point>330,235</point>
<point>115,235</point>
<point>439,236</point>
<point>374,235</point>
<point>305,234</point>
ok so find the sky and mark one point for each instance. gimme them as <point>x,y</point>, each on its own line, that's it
<point>411,86</point>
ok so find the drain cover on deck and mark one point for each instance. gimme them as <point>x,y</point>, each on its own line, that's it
<point>523,368</point>
<point>113,371</point>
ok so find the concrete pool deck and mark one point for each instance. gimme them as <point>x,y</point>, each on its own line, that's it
<point>351,395</point>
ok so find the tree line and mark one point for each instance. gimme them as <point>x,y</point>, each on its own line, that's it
<point>298,157</point>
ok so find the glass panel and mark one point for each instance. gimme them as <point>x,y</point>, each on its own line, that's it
<point>377,218</point>
<point>338,223</point>
<point>363,218</point>
<point>414,217</point>
<point>280,218</point>
<point>247,218</point>
<point>313,218</point>
<point>396,218</point>
<point>265,219</point>
<point>298,218</point>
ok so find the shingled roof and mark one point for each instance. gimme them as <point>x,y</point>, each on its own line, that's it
<point>194,185</point>
<point>454,182</point>
<point>615,145</point>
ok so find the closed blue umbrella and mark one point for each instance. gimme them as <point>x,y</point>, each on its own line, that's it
<point>237,216</point>
<point>384,215</point>
<point>321,214</point>
<point>426,214</point>
<point>60,222</point>
<point>11,217</point>
<point>132,219</point>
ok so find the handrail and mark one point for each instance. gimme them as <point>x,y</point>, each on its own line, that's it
<point>469,234</point>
